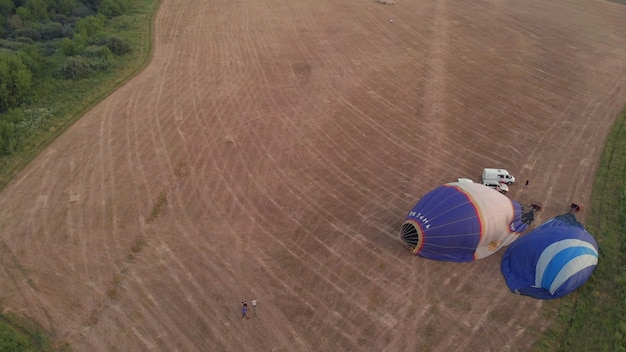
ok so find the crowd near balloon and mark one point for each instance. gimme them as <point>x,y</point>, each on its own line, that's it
<point>465,221</point>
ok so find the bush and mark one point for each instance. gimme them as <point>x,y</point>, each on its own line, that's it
<point>71,47</point>
<point>11,46</point>
<point>90,26</point>
<point>65,7</point>
<point>61,18</point>
<point>121,23</point>
<point>117,45</point>
<point>75,68</point>
<point>14,22</point>
<point>47,48</point>
<point>8,143</point>
<point>92,4</point>
<point>68,47</point>
<point>34,118</point>
<point>38,10</point>
<point>13,116</point>
<point>112,8</point>
<point>26,32</point>
<point>97,51</point>
<point>35,61</point>
<point>23,13</point>
<point>16,126</point>
<point>81,10</point>
<point>51,30</point>
<point>99,63</point>
<point>15,80</point>
<point>99,57</point>
<point>68,30</point>
<point>24,40</point>
<point>6,8</point>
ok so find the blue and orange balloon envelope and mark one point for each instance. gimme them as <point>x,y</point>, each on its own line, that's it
<point>552,260</point>
<point>462,222</point>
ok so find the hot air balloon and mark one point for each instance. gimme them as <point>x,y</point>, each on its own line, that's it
<point>462,222</point>
<point>552,260</point>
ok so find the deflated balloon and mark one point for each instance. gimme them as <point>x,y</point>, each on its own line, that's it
<point>462,222</point>
<point>552,260</point>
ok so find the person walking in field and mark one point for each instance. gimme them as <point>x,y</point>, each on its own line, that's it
<point>526,185</point>
<point>253,304</point>
<point>244,309</point>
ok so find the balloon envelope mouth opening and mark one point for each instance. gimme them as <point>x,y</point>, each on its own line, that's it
<point>410,235</point>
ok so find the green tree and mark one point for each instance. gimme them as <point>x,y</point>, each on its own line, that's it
<point>15,80</point>
<point>90,26</point>
<point>68,47</point>
<point>35,61</point>
<point>38,10</point>
<point>75,46</point>
<point>112,8</point>
<point>65,7</point>
<point>23,13</point>
<point>6,8</point>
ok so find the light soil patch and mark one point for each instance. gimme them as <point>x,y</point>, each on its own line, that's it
<point>272,149</point>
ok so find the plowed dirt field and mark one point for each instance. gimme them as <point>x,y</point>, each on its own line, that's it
<point>272,149</point>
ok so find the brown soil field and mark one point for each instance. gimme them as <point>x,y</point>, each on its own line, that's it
<point>272,149</point>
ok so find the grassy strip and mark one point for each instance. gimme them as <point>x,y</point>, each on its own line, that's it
<point>594,317</point>
<point>72,99</point>
<point>19,335</point>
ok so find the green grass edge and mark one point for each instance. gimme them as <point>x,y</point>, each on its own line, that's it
<point>593,318</point>
<point>21,335</point>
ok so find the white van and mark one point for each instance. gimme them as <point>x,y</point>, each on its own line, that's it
<point>497,175</point>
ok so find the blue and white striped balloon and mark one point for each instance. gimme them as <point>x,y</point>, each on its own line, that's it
<point>551,261</point>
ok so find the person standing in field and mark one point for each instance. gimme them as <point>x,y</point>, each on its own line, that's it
<point>244,309</point>
<point>244,312</point>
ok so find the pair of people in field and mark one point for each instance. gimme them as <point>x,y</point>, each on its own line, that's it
<point>244,308</point>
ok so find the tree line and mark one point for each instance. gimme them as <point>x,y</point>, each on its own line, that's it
<point>43,42</point>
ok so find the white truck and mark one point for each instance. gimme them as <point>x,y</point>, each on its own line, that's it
<point>497,176</point>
